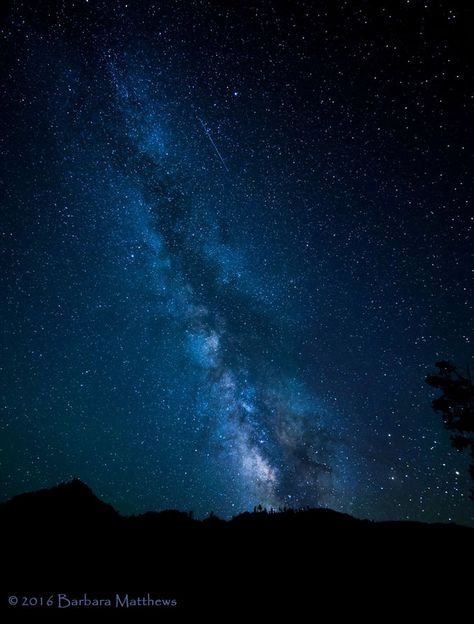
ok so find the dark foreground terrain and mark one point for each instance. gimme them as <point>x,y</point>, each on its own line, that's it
<point>65,552</point>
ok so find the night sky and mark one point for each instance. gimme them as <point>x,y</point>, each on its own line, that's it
<point>234,242</point>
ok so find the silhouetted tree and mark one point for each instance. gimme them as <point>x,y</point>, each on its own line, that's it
<point>456,405</point>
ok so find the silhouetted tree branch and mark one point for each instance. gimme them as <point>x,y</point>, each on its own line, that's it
<point>456,405</point>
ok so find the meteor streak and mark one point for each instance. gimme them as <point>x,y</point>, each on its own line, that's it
<point>207,132</point>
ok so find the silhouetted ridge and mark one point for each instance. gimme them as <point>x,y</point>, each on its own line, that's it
<point>66,539</point>
<point>322,517</point>
<point>75,502</point>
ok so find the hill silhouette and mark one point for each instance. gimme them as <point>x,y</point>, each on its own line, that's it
<point>65,540</point>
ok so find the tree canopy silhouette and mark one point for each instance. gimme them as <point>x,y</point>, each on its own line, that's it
<point>456,405</point>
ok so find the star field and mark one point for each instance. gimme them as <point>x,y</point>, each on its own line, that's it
<point>234,243</point>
